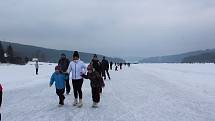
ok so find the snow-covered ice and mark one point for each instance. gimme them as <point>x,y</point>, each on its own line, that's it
<point>144,92</point>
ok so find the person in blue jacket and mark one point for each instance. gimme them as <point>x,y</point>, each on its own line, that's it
<point>59,78</point>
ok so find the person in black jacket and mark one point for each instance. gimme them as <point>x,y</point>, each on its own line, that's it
<point>105,68</point>
<point>64,64</point>
<point>96,64</point>
<point>111,65</point>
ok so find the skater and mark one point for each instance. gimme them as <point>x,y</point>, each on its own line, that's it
<point>129,64</point>
<point>37,67</point>
<point>64,64</point>
<point>1,92</point>
<point>111,65</point>
<point>96,83</point>
<point>78,68</point>
<point>116,68</point>
<point>105,68</point>
<point>120,65</point>
<point>97,66</point>
<point>59,78</point>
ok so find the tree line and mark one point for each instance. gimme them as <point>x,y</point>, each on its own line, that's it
<point>202,58</point>
<point>8,56</point>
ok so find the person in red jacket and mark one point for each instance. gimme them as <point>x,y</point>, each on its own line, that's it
<point>1,89</point>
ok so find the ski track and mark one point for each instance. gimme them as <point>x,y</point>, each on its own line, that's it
<point>140,93</point>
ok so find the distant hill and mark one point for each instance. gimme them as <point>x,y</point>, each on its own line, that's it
<point>175,58</point>
<point>50,55</point>
<point>202,58</point>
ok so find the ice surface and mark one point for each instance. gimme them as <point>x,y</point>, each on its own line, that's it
<point>144,92</point>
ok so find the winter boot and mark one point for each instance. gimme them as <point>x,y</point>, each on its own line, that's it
<point>62,100</point>
<point>95,105</point>
<point>80,104</point>
<point>75,103</point>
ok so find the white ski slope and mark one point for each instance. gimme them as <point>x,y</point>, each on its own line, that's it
<point>147,92</point>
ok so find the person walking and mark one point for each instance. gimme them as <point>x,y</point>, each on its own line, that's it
<point>64,64</point>
<point>105,68</point>
<point>120,65</point>
<point>97,66</point>
<point>96,83</point>
<point>111,65</point>
<point>77,67</point>
<point>37,67</point>
<point>59,78</point>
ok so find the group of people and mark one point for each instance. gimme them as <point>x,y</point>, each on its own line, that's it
<point>118,65</point>
<point>95,72</point>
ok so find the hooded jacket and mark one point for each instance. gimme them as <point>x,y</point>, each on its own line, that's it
<point>77,67</point>
<point>59,79</point>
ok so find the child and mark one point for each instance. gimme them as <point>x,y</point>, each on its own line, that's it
<point>59,78</point>
<point>96,82</point>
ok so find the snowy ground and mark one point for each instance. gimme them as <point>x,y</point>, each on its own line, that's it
<point>147,92</point>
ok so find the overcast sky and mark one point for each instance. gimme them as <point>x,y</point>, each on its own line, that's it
<point>111,27</point>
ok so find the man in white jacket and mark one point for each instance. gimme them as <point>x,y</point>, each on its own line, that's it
<point>77,68</point>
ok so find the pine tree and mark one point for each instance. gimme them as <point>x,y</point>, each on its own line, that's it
<point>10,53</point>
<point>2,58</point>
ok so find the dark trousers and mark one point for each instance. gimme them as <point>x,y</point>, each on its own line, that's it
<point>60,93</point>
<point>104,73</point>
<point>68,88</point>
<point>77,85</point>
<point>100,89</point>
<point>96,94</point>
<point>37,71</point>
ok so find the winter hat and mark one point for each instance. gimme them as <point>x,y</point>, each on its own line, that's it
<point>89,67</point>
<point>57,68</point>
<point>76,54</point>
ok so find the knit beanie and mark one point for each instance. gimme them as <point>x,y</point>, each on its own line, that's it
<point>57,68</point>
<point>76,54</point>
